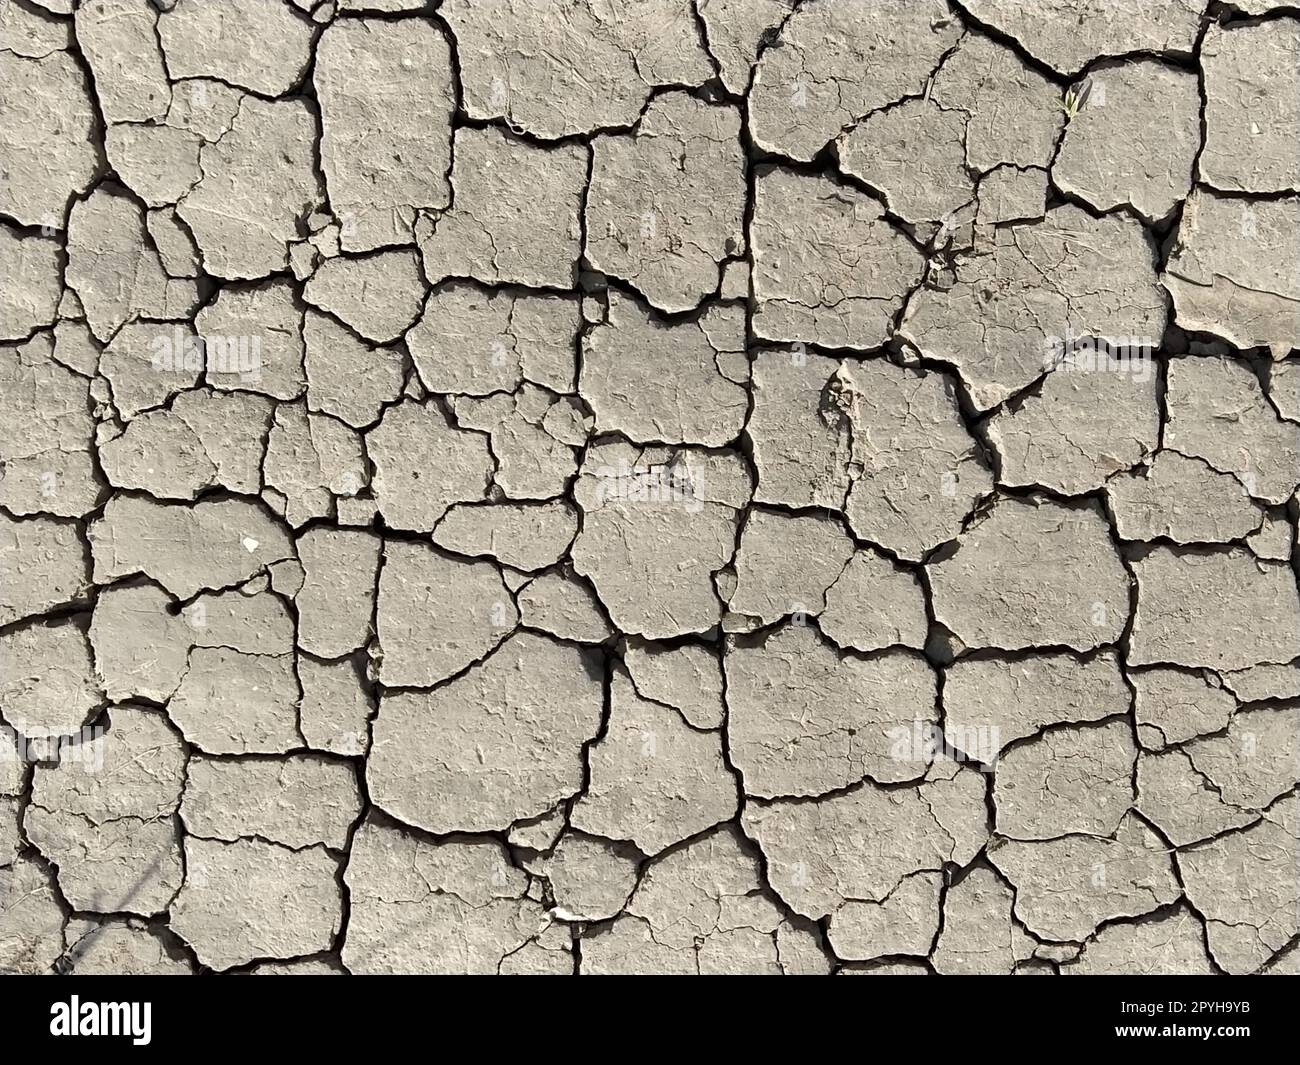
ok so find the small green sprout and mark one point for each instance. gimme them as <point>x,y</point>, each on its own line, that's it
<point>1076,97</point>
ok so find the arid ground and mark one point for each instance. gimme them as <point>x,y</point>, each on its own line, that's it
<point>673,486</point>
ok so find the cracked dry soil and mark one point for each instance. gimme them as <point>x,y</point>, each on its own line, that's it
<point>783,486</point>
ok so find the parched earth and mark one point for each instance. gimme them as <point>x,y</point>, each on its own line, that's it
<point>782,486</point>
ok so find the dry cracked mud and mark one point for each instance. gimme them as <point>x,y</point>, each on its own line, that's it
<point>681,486</point>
